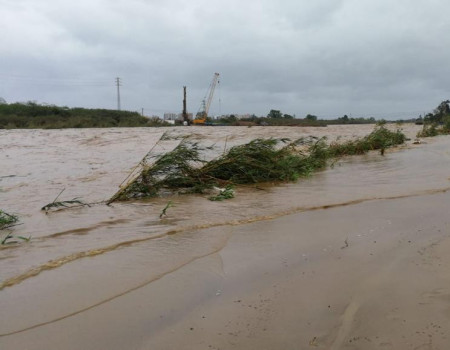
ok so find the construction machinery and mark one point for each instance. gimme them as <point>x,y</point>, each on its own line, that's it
<point>202,114</point>
<point>185,114</point>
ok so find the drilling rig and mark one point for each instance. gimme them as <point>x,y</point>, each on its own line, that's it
<point>185,114</point>
<point>202,114</point>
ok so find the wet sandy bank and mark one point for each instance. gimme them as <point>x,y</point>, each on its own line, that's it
<point>365,276</point>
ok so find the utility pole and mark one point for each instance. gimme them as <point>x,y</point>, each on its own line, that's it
<point>185,116</point>
<point>118,93</point>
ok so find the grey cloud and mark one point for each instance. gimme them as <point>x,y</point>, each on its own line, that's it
<point>323,57</point>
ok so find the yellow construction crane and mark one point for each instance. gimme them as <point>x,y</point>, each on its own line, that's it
<point>202,114</point>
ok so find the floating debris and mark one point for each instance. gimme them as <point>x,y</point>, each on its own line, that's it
<point>224,193</point>
<point>75,202</point>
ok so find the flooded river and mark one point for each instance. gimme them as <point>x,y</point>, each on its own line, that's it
<point>81,258</point>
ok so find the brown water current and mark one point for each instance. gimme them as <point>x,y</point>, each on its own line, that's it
<point>84,257</point>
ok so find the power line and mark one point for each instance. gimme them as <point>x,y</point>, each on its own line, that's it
<point>46,81</point>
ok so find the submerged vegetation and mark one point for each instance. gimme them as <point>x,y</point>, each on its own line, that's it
<point>183,170</point>
<point>430,130</point>
<point>438,122</point>
<point>76,202</point>
<point>64,204</point>
<point>11,239</point>
<point>164,211</point>
<point>7,220</point>
<point>380,139</point>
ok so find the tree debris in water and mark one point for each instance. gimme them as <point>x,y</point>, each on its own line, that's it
<point>164,211</point>
<point>225,193</point>
<point>183,170</point>
<point>63,204</point>
<point>10,239</point>
<point>7,220</point>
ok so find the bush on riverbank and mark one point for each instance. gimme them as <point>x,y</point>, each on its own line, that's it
<point>31,115</point>
<point>262,160</point>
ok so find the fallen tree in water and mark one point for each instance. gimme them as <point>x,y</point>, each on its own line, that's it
<point>183,170</point>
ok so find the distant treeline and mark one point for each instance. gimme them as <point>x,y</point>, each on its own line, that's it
<point>31,115</point>
<point>276,118</point>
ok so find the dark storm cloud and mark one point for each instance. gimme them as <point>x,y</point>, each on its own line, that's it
<point>323,57</point>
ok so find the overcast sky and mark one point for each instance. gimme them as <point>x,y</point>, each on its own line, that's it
<point>380,58</point>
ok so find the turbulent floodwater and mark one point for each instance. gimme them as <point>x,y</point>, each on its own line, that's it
<point>83,248</point>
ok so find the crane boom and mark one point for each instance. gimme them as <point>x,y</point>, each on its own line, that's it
<point>212,87</point>
<point>206,103</point>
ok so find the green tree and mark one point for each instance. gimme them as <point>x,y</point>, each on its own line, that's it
<point>443,109</point>
<point>275,114</point>
<point>311,117</point>
<point>439,113</point>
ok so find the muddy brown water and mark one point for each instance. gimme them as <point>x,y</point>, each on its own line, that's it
<point>92,255</point>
